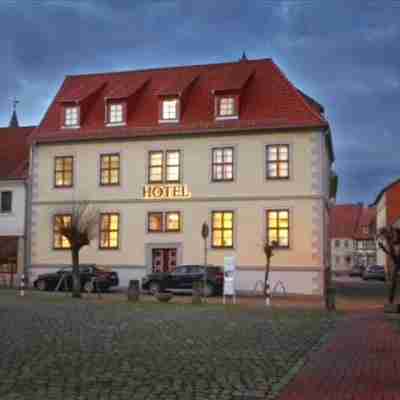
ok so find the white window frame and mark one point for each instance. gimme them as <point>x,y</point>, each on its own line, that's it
<point>113,110</point>
<point>168,113</point>
<point>71,116</point>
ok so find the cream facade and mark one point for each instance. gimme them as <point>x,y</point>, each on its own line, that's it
<point>305,194</point>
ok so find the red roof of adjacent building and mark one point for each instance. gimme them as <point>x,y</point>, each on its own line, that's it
<point>349,221</point>
<point>14,152</point>
<point>267,101</point>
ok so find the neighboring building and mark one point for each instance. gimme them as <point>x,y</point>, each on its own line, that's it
<point>352,232</point>
<point>160,151</point>
<point>14,156</point>
<point>387,204</point>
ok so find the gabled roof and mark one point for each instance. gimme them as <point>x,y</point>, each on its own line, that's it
<point>268,102</point>
<point>348,221</point>
<point>14,152</point>
<point>384,190</point>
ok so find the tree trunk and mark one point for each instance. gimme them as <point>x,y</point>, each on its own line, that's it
<point>266,278</point>
<point>393,284</point>
<point>76,279</point>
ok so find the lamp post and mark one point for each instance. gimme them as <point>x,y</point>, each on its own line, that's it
<point>205,231</point>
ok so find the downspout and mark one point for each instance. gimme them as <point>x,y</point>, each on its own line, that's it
<point>28,216</point>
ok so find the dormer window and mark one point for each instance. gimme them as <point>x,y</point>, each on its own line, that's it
<point>71,116</point>
<point>226,107</point>
<point>116,113</point>
<point>169,110</point>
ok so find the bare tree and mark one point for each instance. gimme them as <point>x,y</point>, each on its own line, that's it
<point>80,230</point>
<point>268,251</point>
<point>389,241</point>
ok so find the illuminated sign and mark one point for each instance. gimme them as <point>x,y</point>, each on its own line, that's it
<point>164,192</point>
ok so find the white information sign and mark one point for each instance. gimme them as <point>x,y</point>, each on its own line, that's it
<point>229,276</point>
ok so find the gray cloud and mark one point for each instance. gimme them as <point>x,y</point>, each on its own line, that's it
<point>344,53</point>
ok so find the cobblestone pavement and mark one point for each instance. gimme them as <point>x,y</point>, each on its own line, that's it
<point>361,362</point>
<point>73,349</point>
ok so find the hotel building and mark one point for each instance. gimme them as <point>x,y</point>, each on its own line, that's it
<point>160,151</point>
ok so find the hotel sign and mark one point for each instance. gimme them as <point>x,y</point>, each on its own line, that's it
<point>165,192</point>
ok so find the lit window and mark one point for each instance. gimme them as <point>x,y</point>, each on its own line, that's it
<point>109,231</point>
<point>61,222</point>
<point>63,172</point>
<point>226,107</point>
<point>156,166</point>
<point>222,229</point>
<point>278,228</point>
<point>173,221</point>
<point>222,164</point>
<point>277,161</point>
<point>173,166</point>
<point>109,169</point>
<point>169,110</point>
<point>155,222</point>
<point>6,202</point>
<point>164,167</point>
<point>71,116</point>
<point>116,114</point>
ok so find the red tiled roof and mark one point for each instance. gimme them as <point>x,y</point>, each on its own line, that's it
<point>268,101</point>
<point>14,152</point>
<point>348,220</point>
<point>124,89</point>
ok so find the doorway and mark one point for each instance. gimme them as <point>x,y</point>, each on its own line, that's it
<point>163,259</point>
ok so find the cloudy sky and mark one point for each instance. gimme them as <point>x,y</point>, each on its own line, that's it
<point>344,53</point>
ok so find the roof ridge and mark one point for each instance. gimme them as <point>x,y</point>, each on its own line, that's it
<point>297,93</point>
<point>169,68</point>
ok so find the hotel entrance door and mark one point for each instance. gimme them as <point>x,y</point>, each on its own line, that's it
<point>163,260</point>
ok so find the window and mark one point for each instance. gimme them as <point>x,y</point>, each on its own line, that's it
<point>278,162</point>
<point>278,228</point>
<point>365,230</point>
<point>169,110</point>
<point>63,175</point>
<point>155,222</point>
<point>109,231</point>
<point>226,107</point>
<point>170,172</point>
<point>6,202</point>
<point>346,244</point>
<point>222,164</point>
<point>61,221</point>
<point>222,229</point>
<point>159,222</point>
<point>109,169</point>
<point>115,113</point>
<point>173,162</point>
<point>173,221</point>
<point>337,243</point>
<point>71,116</point>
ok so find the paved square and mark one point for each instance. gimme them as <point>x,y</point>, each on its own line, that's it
<point>54,347</point>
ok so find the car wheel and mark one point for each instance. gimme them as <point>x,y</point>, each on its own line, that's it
<point>88,287</point>
<point>209,290</point>
<point>41,285</point>
<point>154,288</point>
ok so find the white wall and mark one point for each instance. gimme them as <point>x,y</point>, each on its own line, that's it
<point>12,224</point>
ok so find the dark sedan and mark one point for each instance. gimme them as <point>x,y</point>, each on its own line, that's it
<point>92,278</point>
<point>182,278</point>
<point>374,272</point>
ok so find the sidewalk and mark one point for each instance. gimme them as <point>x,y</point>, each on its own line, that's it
<point>360,362</point>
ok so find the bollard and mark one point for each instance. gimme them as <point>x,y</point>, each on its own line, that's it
<point>22,286</point>
<point>197,292</point>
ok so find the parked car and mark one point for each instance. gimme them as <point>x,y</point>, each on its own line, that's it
<point>92,278</point>
<point>182,278</point>
<point>374,272</point>
<point>357,270</point>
